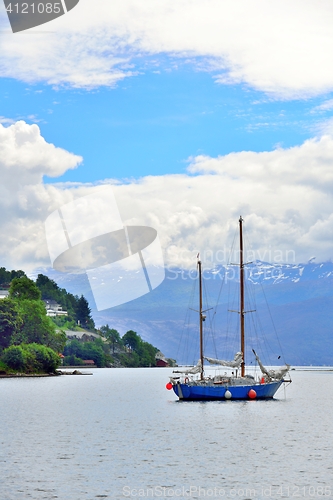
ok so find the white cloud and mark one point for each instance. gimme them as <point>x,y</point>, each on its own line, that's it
<point>324,127</point>
<point>309,164</point>
<point>24,201</point>
<point>279,47</point>
<point>283,195</point>
<point>325,106</point>
<point>6,121</point>
<point>25,152</point>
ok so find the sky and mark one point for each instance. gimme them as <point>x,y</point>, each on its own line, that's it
<point>195,111</point>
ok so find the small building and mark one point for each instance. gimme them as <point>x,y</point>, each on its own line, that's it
<point>53,308</point>
<point>162,362</point>
<point>161,359</point>
<point>89,362</point>
<point>4,294</point>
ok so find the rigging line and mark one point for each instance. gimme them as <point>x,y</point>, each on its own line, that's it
<point>223,283</point>
<point>186,324</point>
<point>221,287</point>
<point>257,325</point>
<point>210,320</point>
<point>266,344</point>
<point>269,311</point>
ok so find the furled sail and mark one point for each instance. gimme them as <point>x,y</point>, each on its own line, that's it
<point>190,371</point>
<point>272,374</point>
<point>238,359</point>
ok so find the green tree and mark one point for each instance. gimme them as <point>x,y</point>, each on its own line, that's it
<point>86,350</point>
<point>5,276</point>
<point>14,357</point>
<point>24,288</point>
<point>10,321</point>
<point>73,361</point>
<point>142,353</point>
<point>111,335</point>
<point>147,354</point>
<point>41,358</point>
<point>51,291</point>
<point>37,327</point>
<point>83,313</point>
<point>131,340</point>
<point>17,274</point>
<point>31,358</point>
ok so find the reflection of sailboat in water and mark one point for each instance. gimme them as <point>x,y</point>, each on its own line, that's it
<point>192,384</point>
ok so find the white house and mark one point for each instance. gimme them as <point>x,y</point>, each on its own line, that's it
<point>53,308</point>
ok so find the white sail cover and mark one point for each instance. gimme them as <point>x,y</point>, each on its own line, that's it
<point>238,359</point>
<point>272,374</point>
<point>191,371</point>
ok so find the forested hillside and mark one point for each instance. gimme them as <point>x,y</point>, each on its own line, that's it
<point>32,342</point>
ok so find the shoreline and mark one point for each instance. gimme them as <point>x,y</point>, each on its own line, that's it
<point>38,375</point>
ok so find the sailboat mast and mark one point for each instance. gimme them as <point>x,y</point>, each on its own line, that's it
<point>242,313</point>
<point>201,318</point>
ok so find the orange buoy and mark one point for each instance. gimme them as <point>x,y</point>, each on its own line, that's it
<point>252,394</point>
<point>169,386</point>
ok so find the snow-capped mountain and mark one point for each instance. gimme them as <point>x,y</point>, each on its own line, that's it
<point>300,298</point>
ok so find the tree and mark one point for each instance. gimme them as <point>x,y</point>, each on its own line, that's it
<point>31,358</point>
<point>24,288</point>
<point>131,340</point>
<point>37,327</point>
<point>7,276</point>
<point>111,335</point>
<point>142,353</point>
<point>14,357</point>
<point>147,353</point>
<point>10,321</point>
<point>83,312</point>
<point>86,350</point>
<point>41,358</point>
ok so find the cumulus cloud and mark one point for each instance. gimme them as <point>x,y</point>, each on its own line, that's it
<point>24,200</point>
<point>278,47</point>
<point>284,196</point>
<point>24,149</point>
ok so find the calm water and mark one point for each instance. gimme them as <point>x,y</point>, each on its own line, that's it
<point>120,434</point>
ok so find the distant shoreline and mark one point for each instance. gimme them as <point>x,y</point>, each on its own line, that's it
<point>39,375</point>
<point>28,375</point>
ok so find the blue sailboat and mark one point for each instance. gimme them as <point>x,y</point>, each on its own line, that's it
<point>192,384</point>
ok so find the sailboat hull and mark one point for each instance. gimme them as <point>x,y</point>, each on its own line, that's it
<point>207,392</point>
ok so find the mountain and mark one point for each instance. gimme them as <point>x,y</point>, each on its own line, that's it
<point>300,299</point>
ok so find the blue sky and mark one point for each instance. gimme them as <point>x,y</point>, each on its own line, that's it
<point>152,123</point>
<point>195,111</point>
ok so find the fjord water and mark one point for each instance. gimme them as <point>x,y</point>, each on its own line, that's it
<point>120,434</point>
